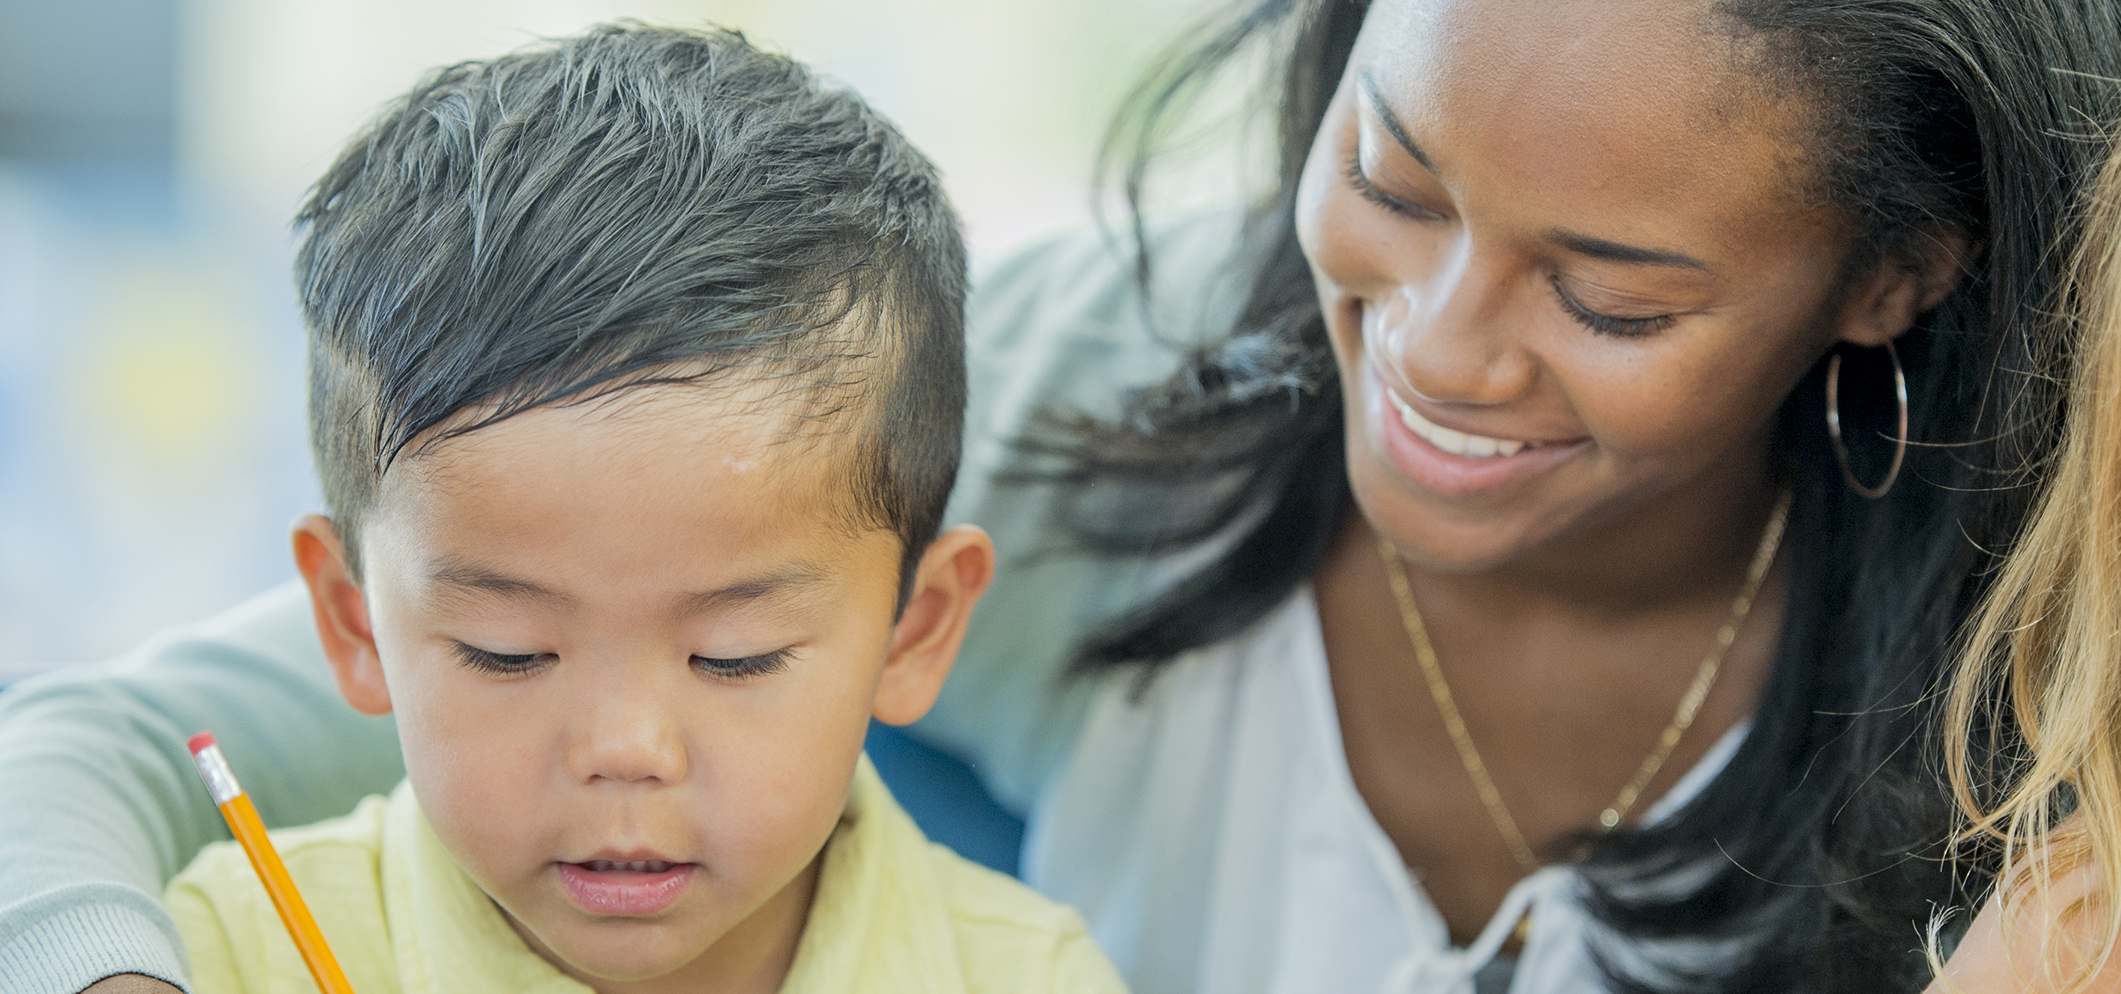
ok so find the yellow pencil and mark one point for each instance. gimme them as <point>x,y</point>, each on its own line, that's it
<point>243,821</point>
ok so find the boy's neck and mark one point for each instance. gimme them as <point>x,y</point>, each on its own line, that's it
<point>754,957</point>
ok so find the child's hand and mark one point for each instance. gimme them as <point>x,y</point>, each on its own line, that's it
<point>130,983</point>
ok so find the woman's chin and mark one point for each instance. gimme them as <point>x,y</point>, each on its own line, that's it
<point>1435,544</point>
<point>1448,536</point>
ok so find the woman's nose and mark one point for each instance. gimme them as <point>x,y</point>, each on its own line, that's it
<point>1451,341</point>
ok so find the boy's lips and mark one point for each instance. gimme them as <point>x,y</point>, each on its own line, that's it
<point>625,887</point>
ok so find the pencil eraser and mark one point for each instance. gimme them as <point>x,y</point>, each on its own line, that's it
<point>200,741</point>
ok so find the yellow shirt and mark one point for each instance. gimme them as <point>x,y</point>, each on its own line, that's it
<point>893,912</point>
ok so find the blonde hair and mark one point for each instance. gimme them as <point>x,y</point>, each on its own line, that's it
<point>2034,716</point>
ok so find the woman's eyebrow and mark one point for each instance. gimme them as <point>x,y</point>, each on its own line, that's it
<point>1599,248</point>
<point>1393,125</point>
<point>1581,244</point>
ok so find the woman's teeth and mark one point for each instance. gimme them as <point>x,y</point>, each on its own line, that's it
<point>1457,443</point>
<point>640,866</point>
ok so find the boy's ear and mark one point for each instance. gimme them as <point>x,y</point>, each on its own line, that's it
<point>952,575</point>
<point>342,614</point>
<point>1884,304</point>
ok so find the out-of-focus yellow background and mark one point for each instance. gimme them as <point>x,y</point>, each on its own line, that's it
<point>151,152</point>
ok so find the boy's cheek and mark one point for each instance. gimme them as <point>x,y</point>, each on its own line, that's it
<point>756,815</point>
<point>478,778</point>
<point>765,785</point>
<point>475,760</point>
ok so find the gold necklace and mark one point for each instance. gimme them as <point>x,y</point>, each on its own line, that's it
<point>1689,704</point>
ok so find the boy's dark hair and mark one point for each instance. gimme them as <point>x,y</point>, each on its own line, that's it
<point>634,205</point>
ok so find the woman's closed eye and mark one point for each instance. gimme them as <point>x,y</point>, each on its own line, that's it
<point>501,663</point>
<point>743,667</point>
<point>1606,324</point>
<point>1367,189</point>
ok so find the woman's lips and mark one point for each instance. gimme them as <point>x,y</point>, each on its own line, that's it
<point>1454,442</point>
<point>637,887</point>
<point>1458,464</point>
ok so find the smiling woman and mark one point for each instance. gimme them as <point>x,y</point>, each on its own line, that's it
<point>1545,308</point>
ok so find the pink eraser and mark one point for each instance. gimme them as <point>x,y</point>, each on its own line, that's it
<point>200,741</point>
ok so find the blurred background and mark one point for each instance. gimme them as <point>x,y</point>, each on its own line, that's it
<point>152,151</point>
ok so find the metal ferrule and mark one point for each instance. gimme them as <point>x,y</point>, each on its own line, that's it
<point>220,780</point>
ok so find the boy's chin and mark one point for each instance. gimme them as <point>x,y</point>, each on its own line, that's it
<point>627,967</point>
<point>619,950</point>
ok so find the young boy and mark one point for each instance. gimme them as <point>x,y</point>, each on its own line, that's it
<point>636,388</point>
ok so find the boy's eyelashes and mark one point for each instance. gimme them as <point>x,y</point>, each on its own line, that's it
<point>501,663</point>
<point>744,667</point>
<point>506,664</point>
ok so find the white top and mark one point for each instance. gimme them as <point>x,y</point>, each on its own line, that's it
<point>1209,829</point>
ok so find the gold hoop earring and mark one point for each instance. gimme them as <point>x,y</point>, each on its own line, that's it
<point>1833,424</point>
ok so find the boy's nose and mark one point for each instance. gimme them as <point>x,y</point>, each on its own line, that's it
<point>628,739</point>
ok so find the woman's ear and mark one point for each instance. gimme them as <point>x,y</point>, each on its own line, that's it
<point>342,614</point>
<point>1906,283</point>
<point>947,583</point>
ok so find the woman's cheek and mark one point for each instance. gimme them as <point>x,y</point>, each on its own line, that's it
<point>1331,228</point>
<point>1673,401</point>
<point>1347,248</point>
<point>1313,202</point>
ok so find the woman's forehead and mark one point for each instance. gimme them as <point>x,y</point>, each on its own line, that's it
<point>1639,69</point>
<point>1574,42</point>
<point>1613,112</point>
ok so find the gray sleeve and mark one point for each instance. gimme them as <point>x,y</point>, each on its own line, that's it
<point>1061,324</point>
<point>101,803</point>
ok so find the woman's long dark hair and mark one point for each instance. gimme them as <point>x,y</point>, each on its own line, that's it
<point>1825,832</point>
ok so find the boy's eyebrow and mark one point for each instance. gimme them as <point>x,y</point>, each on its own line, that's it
<point>755,588</point>
<point>454,572</point>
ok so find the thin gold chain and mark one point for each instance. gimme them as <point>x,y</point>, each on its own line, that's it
<point>1689,704</point>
